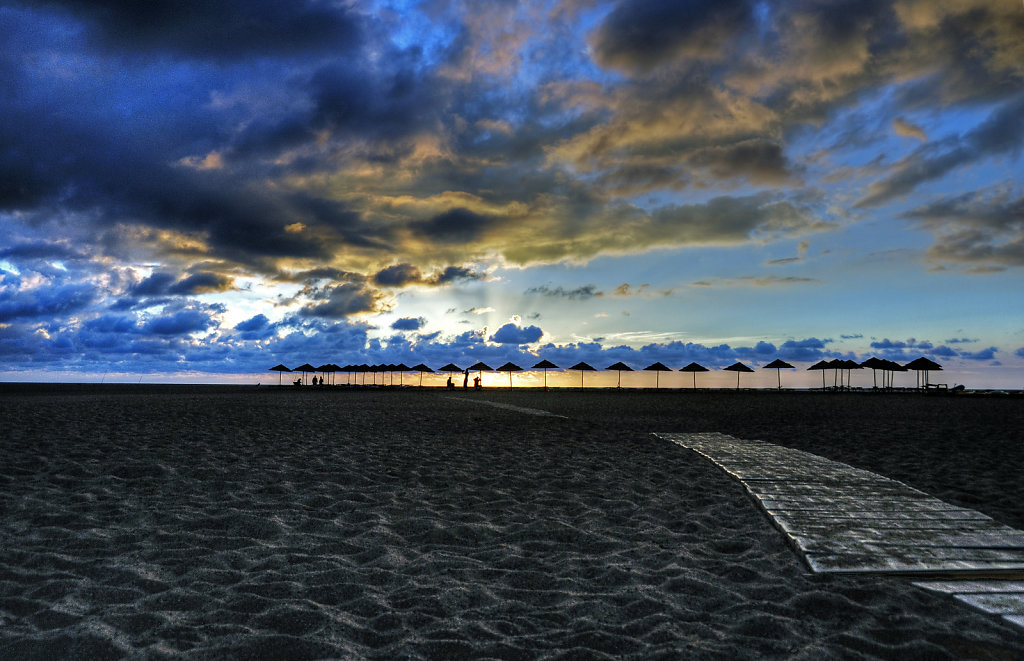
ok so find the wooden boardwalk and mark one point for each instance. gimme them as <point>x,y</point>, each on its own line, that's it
<point>842,519</point>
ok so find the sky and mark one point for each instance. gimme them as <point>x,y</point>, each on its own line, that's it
<point>200,191</point>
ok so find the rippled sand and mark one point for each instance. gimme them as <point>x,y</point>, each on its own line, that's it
<point>305,524</point>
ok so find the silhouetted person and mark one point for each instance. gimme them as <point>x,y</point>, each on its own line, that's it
<point>465,379</point>
<point>451,386</point>
<point>476,383</point>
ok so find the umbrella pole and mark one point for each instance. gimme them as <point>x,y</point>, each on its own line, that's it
<point>694,380</point>
<point>778,373</point>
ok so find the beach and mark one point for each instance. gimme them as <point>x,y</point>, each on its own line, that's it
<point>305,523</point>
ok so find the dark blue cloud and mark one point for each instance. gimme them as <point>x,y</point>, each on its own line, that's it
<point>512,334</point>
<point>202,283</point>
<point>180,322</point>
<point>342,301</point>
<point>578,293</point>
<point>408,323</point>
<point>45,302</point>
<point>398,275</point>
<point>255,323</point>
<point>640,34</point>
<point>455,226</point>
<point>983,354</point>
<point>218,29</point>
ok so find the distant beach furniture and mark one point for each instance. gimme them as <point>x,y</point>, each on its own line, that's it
<point>657,368</point>
<point>778,365</point>
<point>694,368</point>
<point>737,367</point>
<point>582,367</point>
<point>619,367</point>
<point>510,367</point>
<point>545,365</point>
<point>280,369</point>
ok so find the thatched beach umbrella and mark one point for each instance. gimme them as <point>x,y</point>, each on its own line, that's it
<point>363,369</point>
<point>582,367</point>
<point>480,367</point>
<point>326,368</point>
<point>421,368</point>
<point>875,364</point>
<point>545,365</point>
<point>737,367</point>
<point>402,368</point>
<point>821,365</point>
<point>305,367</point>
<point>925,365</point>
<point>451,367</point>
<point>694,368</point>
<point>510,367</point>
<point>619,367</point>
<point>850,365</point>
<point>657,368</point>
<point>280,369</point>
<point>778,365</point>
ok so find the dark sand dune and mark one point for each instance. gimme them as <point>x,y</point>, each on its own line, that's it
<point>304,524</point>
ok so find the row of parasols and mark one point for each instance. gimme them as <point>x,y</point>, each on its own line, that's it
<point>357,374</point>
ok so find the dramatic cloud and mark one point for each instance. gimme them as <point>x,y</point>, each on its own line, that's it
<point>980,228</point>
<point>218,29</point>
<point>344,300</point>
<point>512,334</point>
<point>1002,132</point>
<point>204,184</point>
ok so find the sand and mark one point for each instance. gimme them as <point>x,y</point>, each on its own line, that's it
<point>209,522</point>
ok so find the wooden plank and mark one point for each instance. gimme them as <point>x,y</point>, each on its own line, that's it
<point>997,603</point>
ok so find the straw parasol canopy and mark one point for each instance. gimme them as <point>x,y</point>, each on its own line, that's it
<point>545,365</point>
<point>778,365</point>
<point>305,367</point>
<point>892,367</point>
<point>326,368</point>
<point>510,367</point>
<point>582,367</point>
<point>421,368</point>
<point>850,365</point>
<point>875,364</point>
<point>402,368</point>
<point>694,368</point>
<point>821,365</point>
<point>657,368</point>
<point>620,367</point>
<point>280,369</point>
<point>480,367</point>
<point>737,367</point>
<point>925,365</point>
